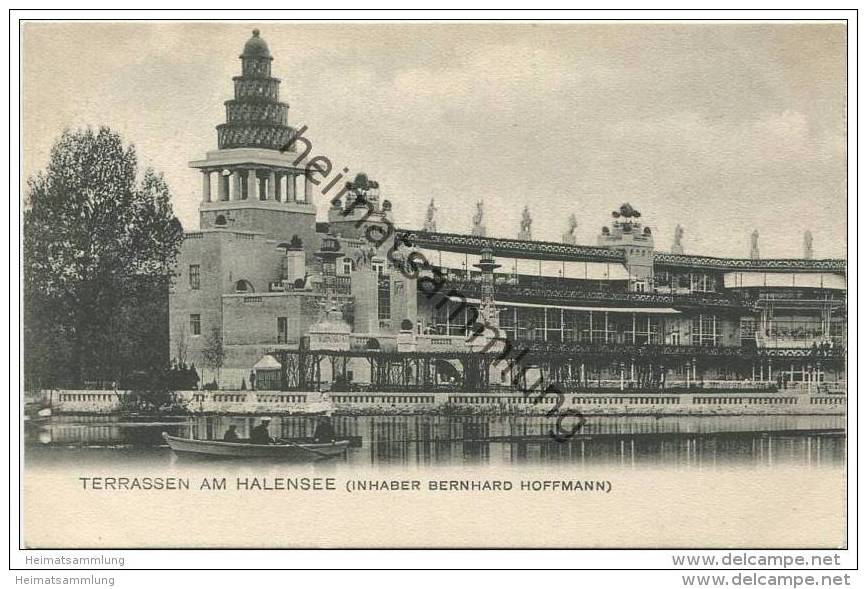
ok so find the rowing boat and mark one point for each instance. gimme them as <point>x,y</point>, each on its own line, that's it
<point>286,449</point>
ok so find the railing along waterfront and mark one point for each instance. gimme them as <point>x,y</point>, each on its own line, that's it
<point>409,398</point>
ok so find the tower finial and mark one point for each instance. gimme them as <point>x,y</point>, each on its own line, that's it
<point>255,32</point>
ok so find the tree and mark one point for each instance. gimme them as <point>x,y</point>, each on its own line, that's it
<point>213,352</point>
<point>97,238</point>
<point>181,343</point>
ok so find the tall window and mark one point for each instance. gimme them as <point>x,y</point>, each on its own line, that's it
<point>643,330</point>
<point>837,332</point>
<point>599,332</point>
<point>195,281</point>
<point>440,318</point>
<point>701,282</point>
<point>346,266</point>
<point>662,279</point>
<point>282,330</point>
<point>507,321</point>
<point>531,324</point>
<point>748,329</point>
<point>705,331</point>
<point>384,299</point>
<point>196,324</point>
<point>554,325</point>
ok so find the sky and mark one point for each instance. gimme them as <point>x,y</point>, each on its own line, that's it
<point>723,128</point>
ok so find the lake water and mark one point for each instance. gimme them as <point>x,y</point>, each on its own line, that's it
<point>421,440</point>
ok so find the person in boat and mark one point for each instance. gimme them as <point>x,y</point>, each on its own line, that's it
<point>324,432</point>
<point>231,434</point>
<point>260,434</point>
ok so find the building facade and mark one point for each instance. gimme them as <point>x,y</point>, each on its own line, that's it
<point>266,297</point>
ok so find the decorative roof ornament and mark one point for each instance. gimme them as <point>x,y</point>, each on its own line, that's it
<point>256,47</point>
<point>362,190</point>
<point>677,246</point>
<point>478,229</point>
<point>627,232</point>
<point>808,245</point>
<point>526,232</point>
<point>626,217</point>
<point>754,245</point>
<point>430,224</point>
<point>569,236</point>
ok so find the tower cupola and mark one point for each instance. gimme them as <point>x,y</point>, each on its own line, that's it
<point>255,117</point>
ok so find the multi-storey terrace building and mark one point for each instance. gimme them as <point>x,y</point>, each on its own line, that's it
<point>266,296</point>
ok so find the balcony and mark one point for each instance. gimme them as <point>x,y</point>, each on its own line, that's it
<point>622,351</point>
<point>334,284</point>
<point>811,341</point>
<point>505,292</point>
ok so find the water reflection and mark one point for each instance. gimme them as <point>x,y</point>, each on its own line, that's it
<point>685,442</point>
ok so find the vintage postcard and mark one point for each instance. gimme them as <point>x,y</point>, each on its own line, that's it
<point>434,284</point>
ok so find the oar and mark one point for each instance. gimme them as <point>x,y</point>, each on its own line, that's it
<point>311,450</point>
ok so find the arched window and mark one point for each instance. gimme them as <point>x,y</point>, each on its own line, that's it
<point>244,286</point>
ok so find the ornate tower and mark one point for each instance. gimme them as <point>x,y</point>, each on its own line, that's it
<point>256,180</point>
<point>626,234</point>
<point>489,315</point>
<point>331,331</point>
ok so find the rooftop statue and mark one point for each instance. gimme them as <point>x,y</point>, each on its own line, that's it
<point>478,220</point>
<point>569,236</point>
<point>430,224</point>
<point>754,245</point>
<point>526,225</point>
<point>677,246</point>
<point>808,245</point>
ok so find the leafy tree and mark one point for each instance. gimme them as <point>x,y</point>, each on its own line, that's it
<point>97,240</point>
<point>213,352</point>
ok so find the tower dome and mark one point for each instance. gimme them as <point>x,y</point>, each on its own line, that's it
<point>256,46</point>
<point>255,117</point>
